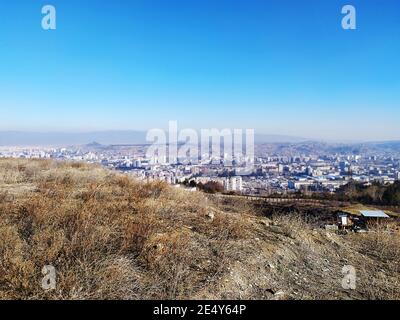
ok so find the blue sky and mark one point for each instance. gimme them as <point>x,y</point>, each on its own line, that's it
<point>280,67</point>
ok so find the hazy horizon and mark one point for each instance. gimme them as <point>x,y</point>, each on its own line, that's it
<point>126,137</point>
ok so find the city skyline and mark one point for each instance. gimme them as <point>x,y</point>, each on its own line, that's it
<point>284,68</point>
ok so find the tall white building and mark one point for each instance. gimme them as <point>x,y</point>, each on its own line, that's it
<point>234,184</point>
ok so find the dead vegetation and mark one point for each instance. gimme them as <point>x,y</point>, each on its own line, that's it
<point>110,237</point>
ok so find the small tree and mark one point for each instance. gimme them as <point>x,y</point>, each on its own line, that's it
<point>211,187</point>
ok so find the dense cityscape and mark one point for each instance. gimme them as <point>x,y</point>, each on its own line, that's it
<point>278,168</point>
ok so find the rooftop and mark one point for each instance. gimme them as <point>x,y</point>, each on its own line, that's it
<point>373,214</point>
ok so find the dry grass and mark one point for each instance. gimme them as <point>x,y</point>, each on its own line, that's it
<point>107,235</point>
<point>110,237</point>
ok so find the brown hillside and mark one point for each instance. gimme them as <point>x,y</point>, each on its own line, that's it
<point>110,237</point>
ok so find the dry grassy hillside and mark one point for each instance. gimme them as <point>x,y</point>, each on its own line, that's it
<point>110,237</point>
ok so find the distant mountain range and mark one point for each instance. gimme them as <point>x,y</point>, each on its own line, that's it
<point>107,138</point>
<point>62,139</point>
<point>17,138</point>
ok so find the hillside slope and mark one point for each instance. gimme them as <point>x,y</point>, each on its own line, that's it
<point>110,237</point>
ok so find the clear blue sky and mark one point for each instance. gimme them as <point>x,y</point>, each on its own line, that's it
<point>280,67</point>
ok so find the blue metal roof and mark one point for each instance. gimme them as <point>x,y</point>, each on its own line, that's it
<point>374,214</point>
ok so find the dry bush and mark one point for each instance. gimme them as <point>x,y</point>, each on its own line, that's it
<point>10,173</point>
<point>380,266</point>
<point>292,226</point>
<point>385,242</point>
<point>169,259</point>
